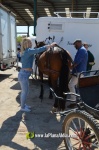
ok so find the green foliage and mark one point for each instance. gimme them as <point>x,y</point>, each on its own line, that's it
<point>19,39</point>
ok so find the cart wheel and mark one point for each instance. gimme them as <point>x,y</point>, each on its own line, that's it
<point>81,131</point>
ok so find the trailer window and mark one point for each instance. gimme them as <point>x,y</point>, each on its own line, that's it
<point>56,27</point>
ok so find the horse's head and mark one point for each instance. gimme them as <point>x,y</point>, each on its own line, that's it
<point>39,44</point>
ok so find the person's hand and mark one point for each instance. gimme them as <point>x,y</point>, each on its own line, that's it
<point>53,44</point>
<point>71,66</point>
<point>91,63</point>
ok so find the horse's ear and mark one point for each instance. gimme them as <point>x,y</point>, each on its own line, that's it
<point>36,42</point>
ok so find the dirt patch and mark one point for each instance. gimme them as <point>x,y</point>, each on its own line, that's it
<point>14,125</point>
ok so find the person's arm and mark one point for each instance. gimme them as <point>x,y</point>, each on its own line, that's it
<point>73,65</point>
<point>41,49</point>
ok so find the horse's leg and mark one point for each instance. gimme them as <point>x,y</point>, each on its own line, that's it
<point>36,72</point>
<point>53,84</point>
<point>50,92</point>
<point>42,90</point>
<point>56,102</point>
<point>50,95</point>
<point>63,85</point>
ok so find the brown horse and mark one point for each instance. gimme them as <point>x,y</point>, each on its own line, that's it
<point>55,63</point>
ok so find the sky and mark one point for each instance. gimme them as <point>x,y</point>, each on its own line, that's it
<point>25,29</point>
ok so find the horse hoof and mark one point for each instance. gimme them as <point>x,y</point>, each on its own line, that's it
<point>54,110</point>
<point>50,97</point>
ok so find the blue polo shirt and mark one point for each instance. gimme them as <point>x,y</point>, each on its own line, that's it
<point>80,59</point>
<point>28,56</point>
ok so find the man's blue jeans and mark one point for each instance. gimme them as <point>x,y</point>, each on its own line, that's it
<point>23,78</point>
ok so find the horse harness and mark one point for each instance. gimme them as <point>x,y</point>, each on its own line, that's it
<point>63,54</point>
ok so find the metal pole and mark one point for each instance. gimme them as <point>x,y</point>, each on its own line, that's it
<point>35,16</point>
<point>28,32</point>
<point>71,15</point>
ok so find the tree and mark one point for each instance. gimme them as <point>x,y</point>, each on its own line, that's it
<point>19,39</point>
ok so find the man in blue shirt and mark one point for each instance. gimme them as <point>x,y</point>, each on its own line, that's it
<point>79,65</point>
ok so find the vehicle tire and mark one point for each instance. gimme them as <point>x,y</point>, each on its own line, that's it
<point>81,131</point>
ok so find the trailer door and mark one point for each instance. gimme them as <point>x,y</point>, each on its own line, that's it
<point>4,34</point>
<point>13,35</point>
<point>0,38</point>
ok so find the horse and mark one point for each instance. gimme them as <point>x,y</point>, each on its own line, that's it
<point>55,63</point>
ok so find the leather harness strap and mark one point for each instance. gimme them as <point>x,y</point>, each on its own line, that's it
<point>47,63</point>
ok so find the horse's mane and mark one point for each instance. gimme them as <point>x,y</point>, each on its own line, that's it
<point>39,44</point>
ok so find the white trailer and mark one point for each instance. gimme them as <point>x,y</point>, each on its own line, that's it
<point>64,31</point>
<point>7,38</point>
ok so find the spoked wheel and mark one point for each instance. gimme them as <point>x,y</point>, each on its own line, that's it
<point>81,131</point>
